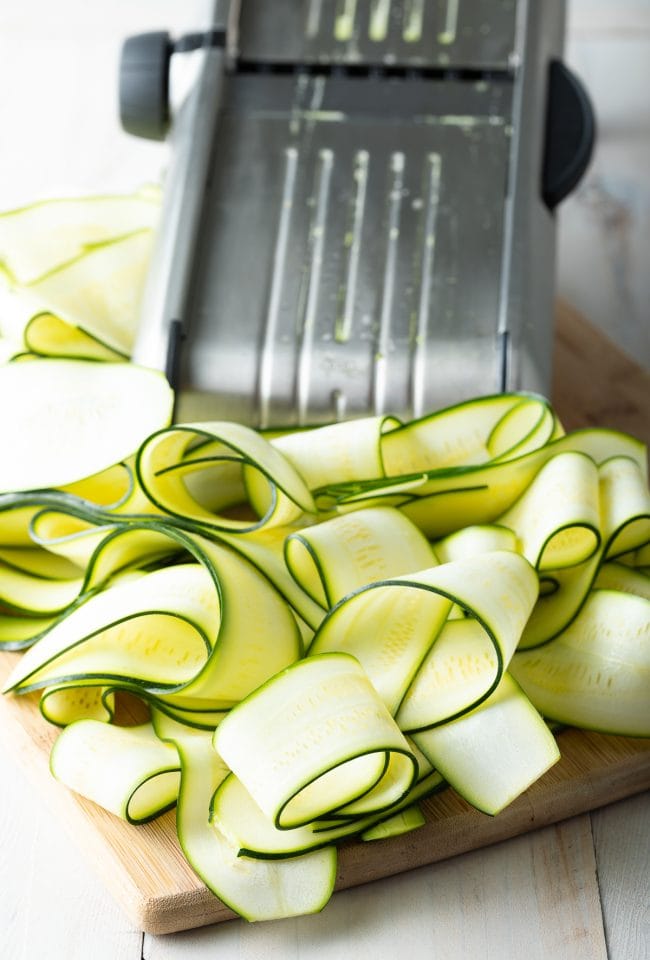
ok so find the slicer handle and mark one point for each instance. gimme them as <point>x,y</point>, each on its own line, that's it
<point>570,134</point>
<point>144,85</point>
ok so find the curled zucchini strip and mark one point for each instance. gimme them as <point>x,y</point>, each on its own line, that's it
<point>265,549</point>
<point>47,335</point>
<point>126,770</point>
<point>618,576</point>
<point>624,506</point>
<point>168,458</point>
<point>253,834</point>
<point>255,889</point>
<point>624,524</point>
<point>403,822</point>
<point>18,633</point>
<point>471,541</point>
<point>187,629</point>
<point>340,452</point>
<point>34,594</point>
<point>338,556</point>
<point>317,739</point>
<point>596,674</point>
<point>557,518</point>
<point>441,500</point>
<point>391,627</point>
<point>15,520</point>
<point>40,563</point>
<point>469,433</point>
<point>566,591</point>
<point>169,613</point>
<point>66,703</point>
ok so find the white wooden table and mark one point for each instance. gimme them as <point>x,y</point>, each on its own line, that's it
<point>573,891</point>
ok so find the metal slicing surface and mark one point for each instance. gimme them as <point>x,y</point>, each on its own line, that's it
<point>350,249</point>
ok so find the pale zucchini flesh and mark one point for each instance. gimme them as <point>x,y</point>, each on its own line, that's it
<point>74,418</point>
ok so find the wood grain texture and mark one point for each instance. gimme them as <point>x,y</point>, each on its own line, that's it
<point>595,383</point>
<point>622,842</point>
<point>52,905</point>
<point>535,896</point>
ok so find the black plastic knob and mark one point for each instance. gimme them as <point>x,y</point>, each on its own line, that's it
<point>570,134</point>
<point>144,85</point>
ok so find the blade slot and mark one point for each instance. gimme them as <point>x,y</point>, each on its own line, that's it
<point>424,304</point>
<point>343,328</point>
<point>317,242</point>
<point>397,165</point>
<point>265,376</point>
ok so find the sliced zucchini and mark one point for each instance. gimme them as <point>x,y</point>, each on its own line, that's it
<point>315,739</point>
<point>126,770</point>
<point>399,823</point>
<point>167,457</point>
<point>390,627</point>
<point>495,752</point>
<point>624,505</point>
<point>66,703</point>
<point>444,499</point>
<point>36,239</point>
<point>74,418</point>
<point>618,576</point>
<point>341,670</point>
<point>467,434</point>
<point>40,563</point>
<point>253,834</point>
<point>100,291</point>
<point>556,607</point>
<point>596,674</point>
<point>338,452</point>
<point>49,336</point>
<point>557,519</point>
<point>473,540</point>
<point>255,889</point>
<point>20,632</point>
<point>337,557</point>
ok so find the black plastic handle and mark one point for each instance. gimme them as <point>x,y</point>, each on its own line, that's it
<point>144,85</point>
<point>570,134</point>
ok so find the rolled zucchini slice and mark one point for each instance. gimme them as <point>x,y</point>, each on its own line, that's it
<point>314,740</point>
<point>126,770</point>
<point>255,889</point>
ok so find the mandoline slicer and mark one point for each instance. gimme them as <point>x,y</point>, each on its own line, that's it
<point>358,210</point>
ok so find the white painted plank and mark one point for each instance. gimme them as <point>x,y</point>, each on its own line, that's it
<point>50,904</point>
<point>535,897</point>
<point>59,75</point>
<point>622,842</point>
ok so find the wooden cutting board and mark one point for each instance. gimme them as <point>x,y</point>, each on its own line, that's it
<point>144,867</point>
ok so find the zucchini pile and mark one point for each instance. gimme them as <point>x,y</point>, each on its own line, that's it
<point>325,626</point>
